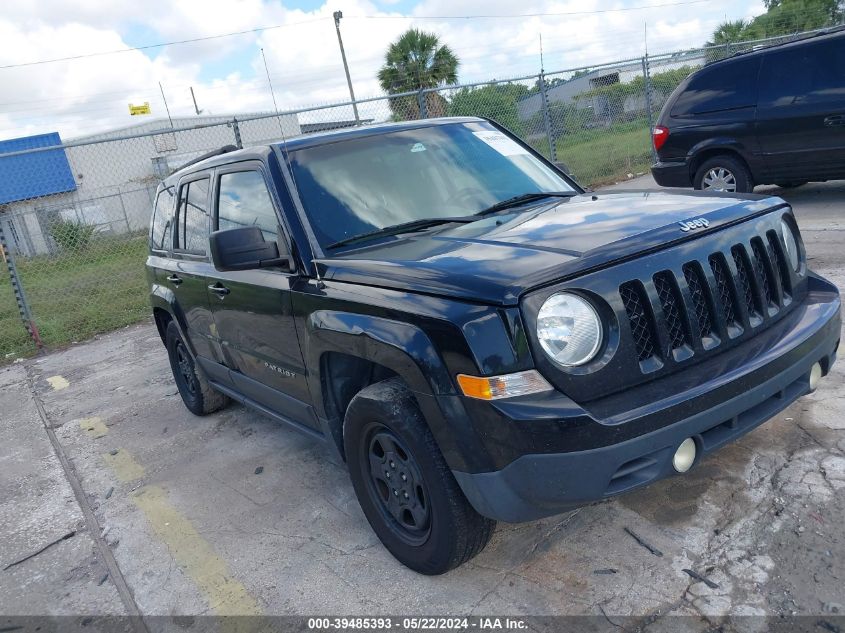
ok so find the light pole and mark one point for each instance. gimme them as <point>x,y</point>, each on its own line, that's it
<point>337,16</point>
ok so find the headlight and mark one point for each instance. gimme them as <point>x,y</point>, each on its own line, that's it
<point>791,244</point>
<point>569,329</point>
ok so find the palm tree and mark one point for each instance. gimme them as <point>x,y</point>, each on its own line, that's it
<point>416,61</point>
<point>726,34</point>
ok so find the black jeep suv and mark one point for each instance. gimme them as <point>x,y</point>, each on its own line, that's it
<point>775,115</point>
<point>473,334</point>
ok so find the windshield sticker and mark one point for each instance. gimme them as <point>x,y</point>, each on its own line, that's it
<point>501,143</point>
<point>418,147</point>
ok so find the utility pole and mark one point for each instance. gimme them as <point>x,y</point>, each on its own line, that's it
<point>337,16</point>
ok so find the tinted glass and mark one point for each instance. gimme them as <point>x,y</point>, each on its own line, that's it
<point>723,86</point>
<point>243,200</point>
<point>163,219</point>
<point>193,220</point>
<point>804,74</point>
<point>363,184</point>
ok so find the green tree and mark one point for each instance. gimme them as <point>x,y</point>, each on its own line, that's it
<point>782,17</point>
<point>496,102</point>
<point>415,61</point>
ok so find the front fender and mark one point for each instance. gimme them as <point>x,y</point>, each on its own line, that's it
<point>401,347</point>
<point>406,350</point>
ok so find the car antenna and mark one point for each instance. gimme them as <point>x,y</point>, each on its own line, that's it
<point>285,153</point>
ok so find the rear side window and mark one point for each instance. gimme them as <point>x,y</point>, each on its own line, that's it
<point>724,86</point>
<point>804,74</point>
<point>163,219</point>
<point>243,200</point>
<point>192,217</point>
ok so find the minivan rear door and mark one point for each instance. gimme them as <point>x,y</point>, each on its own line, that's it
<point>801,111</point>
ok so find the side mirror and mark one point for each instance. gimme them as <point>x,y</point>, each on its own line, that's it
<point>246,249</point>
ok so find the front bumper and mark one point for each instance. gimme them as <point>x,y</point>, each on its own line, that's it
<point>671,174</point>
<point>715,412</point>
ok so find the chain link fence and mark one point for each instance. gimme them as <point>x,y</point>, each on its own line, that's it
<point>74,215</point>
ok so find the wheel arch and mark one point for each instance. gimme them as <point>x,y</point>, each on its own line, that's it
<point>705,151</point>
<point>353,351</point>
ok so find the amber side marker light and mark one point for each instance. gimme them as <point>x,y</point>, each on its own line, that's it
<point>505,386</point>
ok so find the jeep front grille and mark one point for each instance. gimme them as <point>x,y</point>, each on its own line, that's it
<point>678,313</point>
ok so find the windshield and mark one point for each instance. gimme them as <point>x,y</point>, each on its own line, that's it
<point>361,185</point>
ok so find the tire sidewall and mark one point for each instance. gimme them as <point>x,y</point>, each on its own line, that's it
<point>744,183</point>
<point>404,419</point>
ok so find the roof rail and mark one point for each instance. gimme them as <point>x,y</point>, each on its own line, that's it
<point>217,152</point>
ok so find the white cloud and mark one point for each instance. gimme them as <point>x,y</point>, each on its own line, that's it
<point>91,94</point>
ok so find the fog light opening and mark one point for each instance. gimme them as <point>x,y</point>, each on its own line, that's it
<point>815,376</point>
<point>684,457</point>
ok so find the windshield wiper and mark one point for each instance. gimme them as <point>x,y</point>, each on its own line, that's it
<point>526,197</point>
<point>404,227</point>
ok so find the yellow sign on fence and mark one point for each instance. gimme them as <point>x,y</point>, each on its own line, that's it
<point>144,108</point>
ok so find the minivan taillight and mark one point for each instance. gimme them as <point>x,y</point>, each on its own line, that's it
<point>658,136</point>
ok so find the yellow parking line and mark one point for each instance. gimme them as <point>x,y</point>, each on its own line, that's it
<point>94,427</point>
<point>124,465</point>
<point>225,595</point>
<point>58,382</point>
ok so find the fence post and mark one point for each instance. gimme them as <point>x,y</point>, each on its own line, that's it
<point>237,130</point>
<point>17,288</point>
<point>649,113</point>
<point>547,119</point>
<point>123,207</point>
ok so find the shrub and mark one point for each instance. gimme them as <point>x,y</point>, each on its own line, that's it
<point>71,235</point>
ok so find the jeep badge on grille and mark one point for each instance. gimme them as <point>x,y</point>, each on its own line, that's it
<point>691,225</point>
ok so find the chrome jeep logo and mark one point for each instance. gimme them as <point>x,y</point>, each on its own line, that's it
<point>691,225</point>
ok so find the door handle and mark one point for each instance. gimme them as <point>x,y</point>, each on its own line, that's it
<point>835,120</point>
<point>175,279</point>
<point>219,289</point>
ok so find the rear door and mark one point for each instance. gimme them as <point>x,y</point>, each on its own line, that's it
<point>801,113</point>
<point>252,308</point>
<point>187,270</point>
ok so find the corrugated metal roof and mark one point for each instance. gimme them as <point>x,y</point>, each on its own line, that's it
<point>33,175</point>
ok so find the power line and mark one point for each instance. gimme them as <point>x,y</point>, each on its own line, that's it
<point>494,16</point>
<point>159,45</point>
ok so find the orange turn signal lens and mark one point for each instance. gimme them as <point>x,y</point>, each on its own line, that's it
<point>506,386</point>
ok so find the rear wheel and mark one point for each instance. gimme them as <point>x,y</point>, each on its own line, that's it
<point>197,394</point>
<point>404,486</point>
<point>723,173</point>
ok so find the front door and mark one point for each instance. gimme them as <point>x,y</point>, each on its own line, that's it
<point>252,308</point>
<point>801,112</point>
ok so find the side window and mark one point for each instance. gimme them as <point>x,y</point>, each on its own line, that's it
<point>805,74</point>
<point>724,86</point>
<point>243,200</point>
<point>192,228</point>
<point>163,219</point>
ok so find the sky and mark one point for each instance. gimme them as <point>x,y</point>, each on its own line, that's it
<point>91,94</point>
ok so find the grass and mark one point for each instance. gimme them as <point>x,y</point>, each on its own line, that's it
<point>604,155</point>
<point>77,294</point>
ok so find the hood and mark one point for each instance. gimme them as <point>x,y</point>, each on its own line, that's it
<point>498,258</point>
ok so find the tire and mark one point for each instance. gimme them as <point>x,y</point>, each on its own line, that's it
<point>197,394</point>
<point>726,171</point>
<point>434,528</point>
<point>791,185</point>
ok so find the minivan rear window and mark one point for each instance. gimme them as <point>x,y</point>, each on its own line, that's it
<point>724,86</point>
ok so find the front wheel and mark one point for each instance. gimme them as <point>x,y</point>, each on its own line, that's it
<point>724,173</point>
<point>404,486</point>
